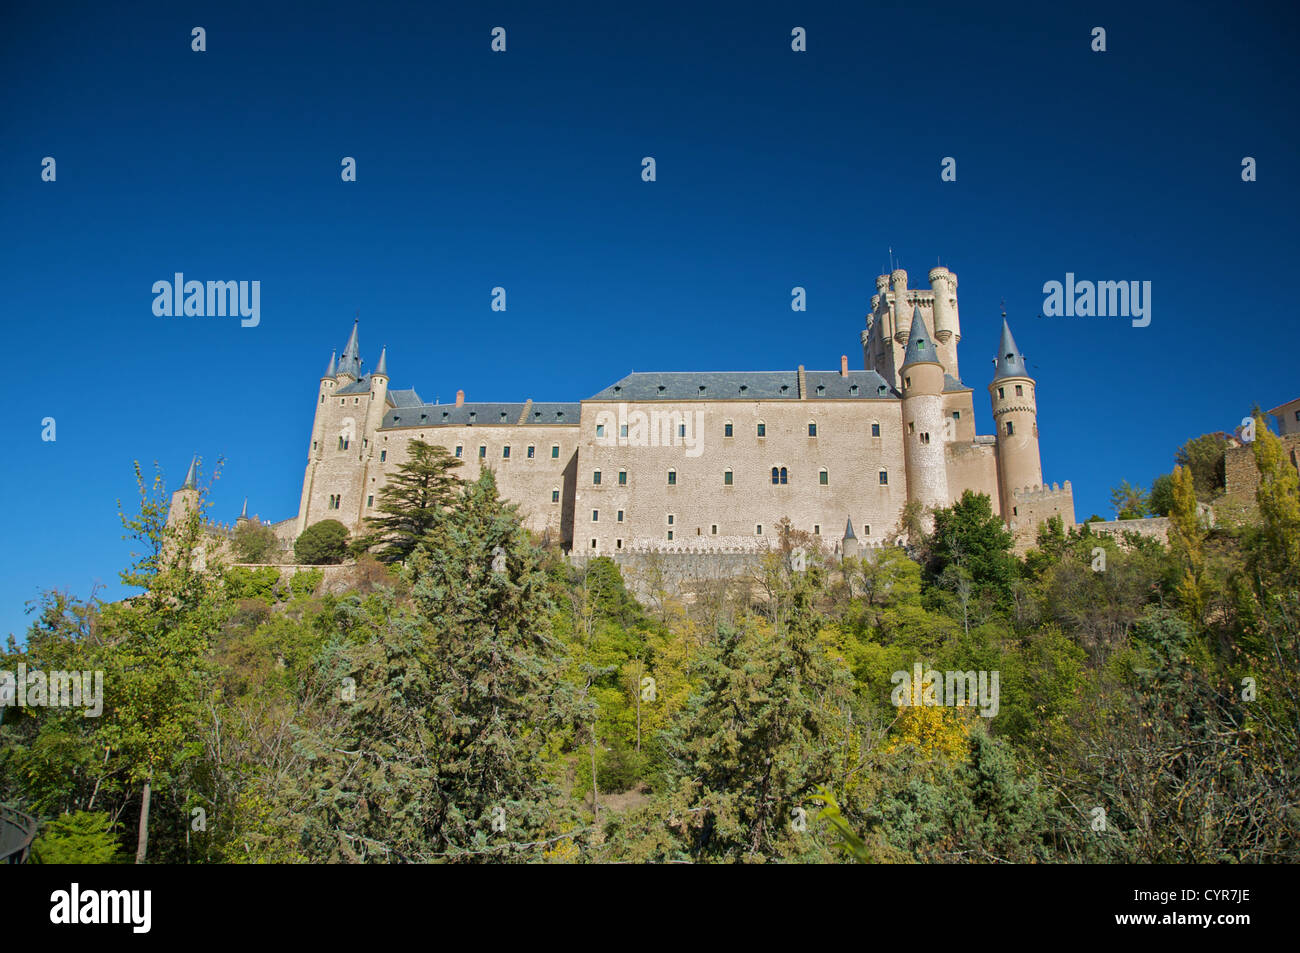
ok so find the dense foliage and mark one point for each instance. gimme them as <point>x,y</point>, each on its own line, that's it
<point>473,696</point>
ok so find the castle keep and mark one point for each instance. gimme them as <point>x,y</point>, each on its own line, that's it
<point>713,461</point>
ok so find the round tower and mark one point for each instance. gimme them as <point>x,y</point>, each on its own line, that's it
<point>899,279</point>
<point>185,500</point>
<point>923,446</point>
<point>1015,415</point>
<point>378,399</point>
<point>947,325</point>
<point>328,384</point>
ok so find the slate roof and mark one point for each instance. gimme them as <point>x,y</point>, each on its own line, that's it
<point>1010,362</point>
<point>746,385</point>
<point>433,415</point>
<point>920,346</point>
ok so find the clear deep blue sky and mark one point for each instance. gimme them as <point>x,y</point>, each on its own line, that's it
<point>522,169</point>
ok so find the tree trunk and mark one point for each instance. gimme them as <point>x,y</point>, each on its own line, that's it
<point>142,844</point>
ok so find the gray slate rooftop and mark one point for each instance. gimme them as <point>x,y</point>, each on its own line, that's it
<point>746,385</point>
<point>434,415</point>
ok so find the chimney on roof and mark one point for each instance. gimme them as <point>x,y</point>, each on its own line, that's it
<point>844,365</point>
<point>460,398</point>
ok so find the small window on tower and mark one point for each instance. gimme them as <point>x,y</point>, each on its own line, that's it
<point>672,477</point>
<point>482,452</point>
<point>1011,428</point>
<point>531,450</point>
<point>884,478</point>
<point>1002,392</point>
<point>459,450</point>
<point>555,451</point>
<point>726,477</point>
<point>555,496</point>
<point>762,429</point>
<point>622,478</point>
<point>875,430</point>
<point>595,478</point>
<point>727,430</point>
<point>823,478</point>
<point>956,415</point>
<point>1020,390</point>
<point>812,429</point>
<point>505,452</point>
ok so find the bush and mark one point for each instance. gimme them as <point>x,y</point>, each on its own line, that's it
<point>323,543</point>
<point>85,837</point>
<point>305,583</point>
<point>252,583</point>
<point>254,542</point>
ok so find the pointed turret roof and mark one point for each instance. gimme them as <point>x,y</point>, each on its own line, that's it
<point>243,514</point>
<point>1010,362</point>
<point>190,483</point>
<point>382,366</point>
<point>848,529</point>
<point>351,361</point>
<point>920,346</point>
<point>333,368</point>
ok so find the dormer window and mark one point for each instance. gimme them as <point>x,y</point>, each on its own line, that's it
<point>784,388</point>
<point>821,389</point>
<point>445,415</point>
<point>703,388</point>
<point>662,388</point>
<point>853,390</point>
<point>618,388</point>
<point>744,387</point>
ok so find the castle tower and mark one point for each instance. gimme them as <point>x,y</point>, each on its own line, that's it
<point>378,399</point>
<point>328,384</point>
<point>850,548</point>
<point>923,423</point>
<point>350,363</point>
<point>185,500</point>
<point>947,325</point>
<point>1015,416</point>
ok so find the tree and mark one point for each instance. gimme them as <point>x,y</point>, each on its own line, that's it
<point>1129,501</point>
<point>323,543</point>
<point>969,535</point>
<point>1161,498</point>
<point>1186,542</point>
<point>83,837</point>
<point>254,542</point>
<point>411,501</point>
<point>444,750</point>
<point>1204,457</point>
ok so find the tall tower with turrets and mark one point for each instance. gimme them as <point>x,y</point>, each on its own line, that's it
<point>923,419</point>
<point>1015,417</point>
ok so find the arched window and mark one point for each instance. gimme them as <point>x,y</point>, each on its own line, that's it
<point>783,476</point>
<point>726,477</point>
<point>823,477</point>
<point>776,475</point>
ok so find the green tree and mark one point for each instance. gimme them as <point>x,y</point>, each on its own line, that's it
<point>1129,501</point>
<point>1161,498</point>
<point>254,542</point>
<point>1204,457</point>
<point>968,534</point>
<point>411,502</point>
<point>323,543</point>
<point>83,837</point>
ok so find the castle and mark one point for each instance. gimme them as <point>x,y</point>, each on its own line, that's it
<point>713,461</point>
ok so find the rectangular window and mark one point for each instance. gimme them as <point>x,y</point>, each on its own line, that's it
<point>622,478</point>
<point>672,477</point>
<point>458,451</point>
<point>884,477</point>
<point>956,415</point>
<point>555,496</point>
<point>1020,391</point>
<point>313,444</point>
<point>555,452</point>
<point>622,430</point>
<point>726,430</point>
<point>482,453</point>
<point>505,452</point>
<point>713,530</point>
<point>595,516</point>
<point>531,448</point>
<point>875,430</point>
<point>1011,428</point>
<point>758,530</point>
<point>620,516</point>
<point>618,544</point>
<point>1002,392</point>
<point>824,478</point>
<point>726,478</point>
<point>600,430</point>
<point>383,455</point>
<point>681,430</point>
<point>817,529</point>
<point>762,430</point>
<point>595,478</point>
<point>670,519</point>
<point>812,430</point>
<point>670,536</point>
<point>370,501</point>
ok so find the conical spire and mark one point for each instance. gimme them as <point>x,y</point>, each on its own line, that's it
<point>351,361</point>
<point>920,346</point>
<point>243,514</point>
<point>848,529</point>
<point>190,479</point>
<point>382,366</point>
<point>333,368</point>
<point>1010,362</point>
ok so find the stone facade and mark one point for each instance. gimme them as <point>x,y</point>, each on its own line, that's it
<point>714,461</point>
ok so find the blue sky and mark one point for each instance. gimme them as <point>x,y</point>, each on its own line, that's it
<point>522,170</point>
